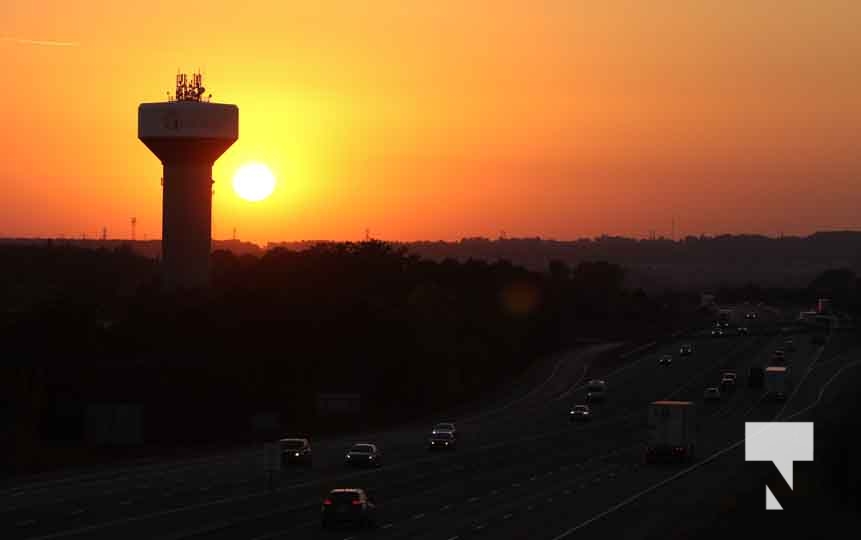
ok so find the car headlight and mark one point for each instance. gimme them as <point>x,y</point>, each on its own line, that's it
<point>296,454</point>
<point>370,457</point>
<point>349,456</point>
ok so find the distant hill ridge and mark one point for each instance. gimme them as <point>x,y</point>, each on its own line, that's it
<point>694,261</point>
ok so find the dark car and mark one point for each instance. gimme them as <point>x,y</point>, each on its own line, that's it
<point>666,360</point>
<point>443,440</point>
<point>779,357</point>
<point>296,451</point>
<point>349,506</point>
<point>596,390</point>
<point>686,349</point>
<point>751,315</point>
<point>717,332</point>
<point>727,383</point>
<point>580,413</point>
<point>743,331</point>
<point>755,377</point>
<point>444,426</point>
<point>363,454</point>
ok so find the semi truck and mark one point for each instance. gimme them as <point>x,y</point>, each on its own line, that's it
<point>776,382</point>
<point>672,431</point>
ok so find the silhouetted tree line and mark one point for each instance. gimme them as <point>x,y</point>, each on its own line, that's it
<point>410,335</point>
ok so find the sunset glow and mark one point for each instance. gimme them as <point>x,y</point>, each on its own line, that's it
<point>445,119</point>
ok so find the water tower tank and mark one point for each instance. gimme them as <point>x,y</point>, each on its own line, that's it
<point>187,133</point>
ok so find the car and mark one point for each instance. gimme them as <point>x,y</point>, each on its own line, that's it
<point>717,332</point>
<point>779,356</point>
<point>444,427</point>
<point>686,349</point>
<point>348,505</point>
<point>788,344</point>
<point>363,455</point>
<point>442,440</point>
<point>596,390</point>
<point>296,450</point>
<point>751,315</point>
<point>743,331</point>
<point>727,383</point>
<point>711,394</point>
<point>666,360</point>
<point>724,324</point>
<point>580,413</point>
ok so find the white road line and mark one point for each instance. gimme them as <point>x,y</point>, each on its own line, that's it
<point>473,499</point>
<point>446,507</point>
<point>506,516</point>
<point>387,526</point>
<point>454,538</point>
<point>479,527</point>
<point>418,516</point>
<point>77,512</point>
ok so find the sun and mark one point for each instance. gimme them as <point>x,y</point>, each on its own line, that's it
<point>253,182</point>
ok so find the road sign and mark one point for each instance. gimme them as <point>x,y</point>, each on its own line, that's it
<point>271,457</point>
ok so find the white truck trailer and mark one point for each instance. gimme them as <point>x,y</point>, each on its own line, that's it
<point>776,382</point>
<point>672,431</point>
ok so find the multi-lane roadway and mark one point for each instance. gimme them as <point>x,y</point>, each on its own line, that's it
<point>521,469</point>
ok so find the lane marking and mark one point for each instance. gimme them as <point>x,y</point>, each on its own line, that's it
<point>387,526</point>
<point>77,512</point>
<point>418,516</point>
<point>506,516</point>
<point>473,499</point>
<point>446,507</point>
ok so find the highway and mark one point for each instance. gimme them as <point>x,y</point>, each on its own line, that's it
<point>521,469</point>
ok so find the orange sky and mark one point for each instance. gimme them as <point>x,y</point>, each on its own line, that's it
<point>440,119</point>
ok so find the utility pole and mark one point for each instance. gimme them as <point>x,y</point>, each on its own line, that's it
<point>367,234</point>
<point>234,234</point>
<point>134,223</point>
<point>674,229</point>
<point>104,233</point>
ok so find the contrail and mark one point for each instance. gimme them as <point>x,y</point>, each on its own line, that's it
<point>45,43</point>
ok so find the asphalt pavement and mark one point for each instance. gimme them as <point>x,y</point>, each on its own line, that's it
<point>521,469</point>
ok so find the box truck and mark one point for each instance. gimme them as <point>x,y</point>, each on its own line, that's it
<point>776,382</point>
<point>672,431</point>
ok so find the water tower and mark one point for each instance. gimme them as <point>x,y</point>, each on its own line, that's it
<point>187,133</point>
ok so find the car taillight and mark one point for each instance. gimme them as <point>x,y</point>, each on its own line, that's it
<point>357,503</point>
<point>327,502</point>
